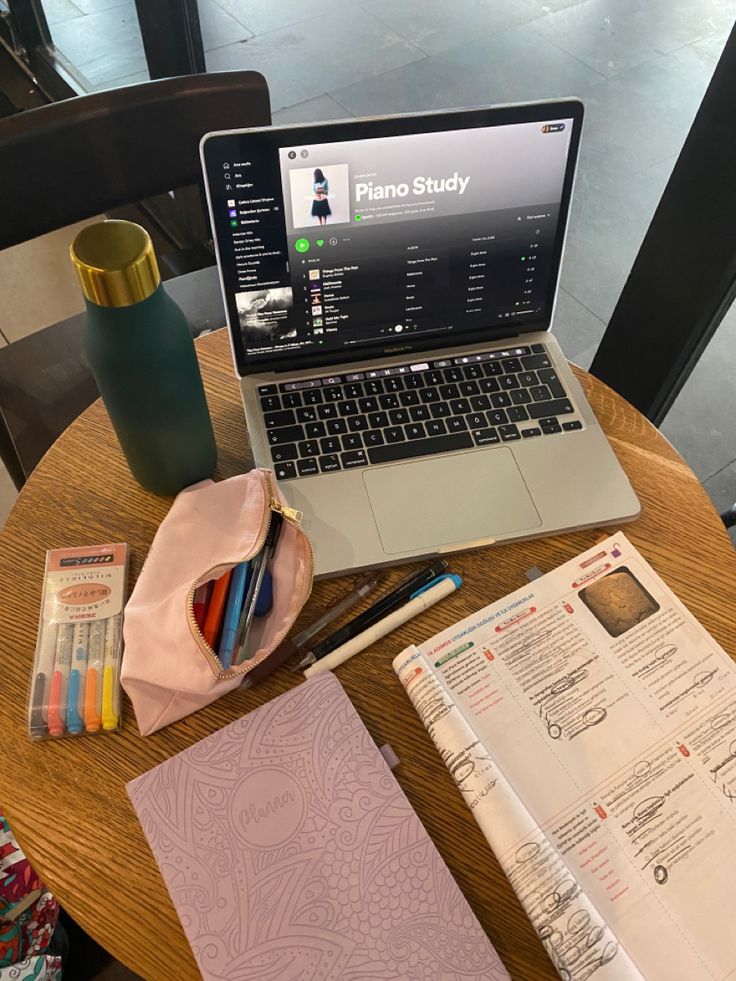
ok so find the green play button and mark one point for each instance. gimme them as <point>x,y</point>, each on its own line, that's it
<point>302,245</point>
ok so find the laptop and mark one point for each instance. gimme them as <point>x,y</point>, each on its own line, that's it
<point>389,286</point>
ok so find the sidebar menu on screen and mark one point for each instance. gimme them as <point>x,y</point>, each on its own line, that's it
<point>256,221</point>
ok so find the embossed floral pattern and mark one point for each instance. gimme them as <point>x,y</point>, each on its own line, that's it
<point>290,853</point>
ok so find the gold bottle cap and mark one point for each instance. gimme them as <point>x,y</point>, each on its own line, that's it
<point>115,263</point>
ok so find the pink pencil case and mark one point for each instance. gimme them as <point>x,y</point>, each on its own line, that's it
<point>169,670</point>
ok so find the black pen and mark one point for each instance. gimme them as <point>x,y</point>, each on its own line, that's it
<point>386,604</point>
<point>258,570</point>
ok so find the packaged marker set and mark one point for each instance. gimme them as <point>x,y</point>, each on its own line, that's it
<point>75,685</point>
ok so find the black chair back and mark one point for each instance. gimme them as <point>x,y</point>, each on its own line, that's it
<point>85,156</point>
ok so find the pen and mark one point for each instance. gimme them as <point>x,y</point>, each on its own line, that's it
<point>42,682</point>
<point>293,645</point>
<point>254,586</point>
<point>232,613</point>
<point>59,679</point>
<point>77,678</point>
<point>216,608</point>
<point>110,674</point>
<point>426,598</point>
<point>93,688</point>
<point>364,586</point>
<point>264,603</point>
<point>380,608</point>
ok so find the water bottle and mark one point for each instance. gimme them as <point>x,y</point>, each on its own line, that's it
<point>141,353</point>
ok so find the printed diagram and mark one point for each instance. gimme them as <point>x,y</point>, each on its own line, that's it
<point>618,601</point>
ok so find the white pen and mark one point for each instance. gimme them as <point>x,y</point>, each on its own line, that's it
<point>93,687</point>
<point>42,681</point>
<point>427,597</point>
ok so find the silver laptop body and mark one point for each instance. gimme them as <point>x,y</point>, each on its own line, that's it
<point>389,285</point>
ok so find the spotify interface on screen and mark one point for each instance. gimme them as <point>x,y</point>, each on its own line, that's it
<point>340,245</point>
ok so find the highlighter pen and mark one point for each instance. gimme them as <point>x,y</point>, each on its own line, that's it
<point>77,679</point>
<point>111,674</point>
<point>42,682</point>
<point>381,608</point>
<point>216,609</point>
<point>95,664</point>
<point>232,613</point>
<point>201,599</point>
<point>59,679</point>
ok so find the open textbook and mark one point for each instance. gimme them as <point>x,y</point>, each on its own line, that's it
<point>589,722</point>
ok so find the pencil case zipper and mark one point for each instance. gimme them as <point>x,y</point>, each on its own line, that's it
<point>292,517</point>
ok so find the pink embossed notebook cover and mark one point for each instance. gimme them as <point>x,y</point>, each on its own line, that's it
<point>290,852</point>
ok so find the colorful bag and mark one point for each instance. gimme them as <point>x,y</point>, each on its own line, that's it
<point>28,917</point>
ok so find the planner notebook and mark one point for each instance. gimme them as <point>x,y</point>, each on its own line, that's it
<point>290,852</point>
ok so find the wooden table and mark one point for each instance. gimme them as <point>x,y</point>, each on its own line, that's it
<point>66,800</point>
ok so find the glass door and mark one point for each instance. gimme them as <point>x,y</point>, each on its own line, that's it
<point>72,47</point>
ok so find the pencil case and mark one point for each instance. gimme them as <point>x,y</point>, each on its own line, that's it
<point>75,684</point>
<point>169,669</point>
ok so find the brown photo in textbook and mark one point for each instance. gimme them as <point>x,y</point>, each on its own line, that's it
<point>618,601</point>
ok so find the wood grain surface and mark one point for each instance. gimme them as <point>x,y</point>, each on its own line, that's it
<point>66,799</point>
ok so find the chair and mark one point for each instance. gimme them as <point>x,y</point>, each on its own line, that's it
<point>86,156</point>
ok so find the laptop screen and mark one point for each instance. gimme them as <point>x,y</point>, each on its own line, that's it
<point>342,241</point>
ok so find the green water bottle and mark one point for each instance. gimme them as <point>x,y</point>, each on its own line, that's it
<point>141,352</point>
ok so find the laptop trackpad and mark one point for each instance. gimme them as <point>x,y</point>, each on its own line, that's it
<point>449,500</point>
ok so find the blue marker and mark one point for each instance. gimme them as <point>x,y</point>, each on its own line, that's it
<point>77,679</point>
<point>232,613</point>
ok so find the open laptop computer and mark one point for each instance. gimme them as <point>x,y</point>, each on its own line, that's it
<point>389,286</point>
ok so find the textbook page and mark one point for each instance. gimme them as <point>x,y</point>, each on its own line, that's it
<point>573,932</point>
<point>609,713</point>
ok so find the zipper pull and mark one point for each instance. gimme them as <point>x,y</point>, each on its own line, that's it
<point>291,514</point>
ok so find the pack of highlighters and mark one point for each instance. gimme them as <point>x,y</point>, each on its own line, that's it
<point>75,685</point>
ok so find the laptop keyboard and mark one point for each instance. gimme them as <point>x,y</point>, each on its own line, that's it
<point>321,425</point>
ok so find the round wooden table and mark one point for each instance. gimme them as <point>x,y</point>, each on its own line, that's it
<point>66,799</point>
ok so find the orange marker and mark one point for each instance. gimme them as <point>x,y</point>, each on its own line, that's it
<point>60,679</point>
<point>216,609</point>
